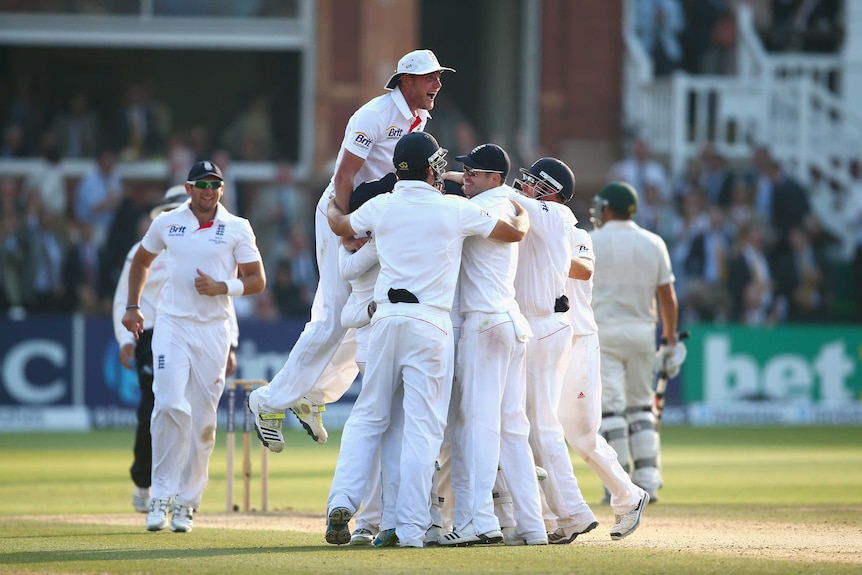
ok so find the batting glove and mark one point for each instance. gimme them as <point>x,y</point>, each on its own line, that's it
<point>669,359</point>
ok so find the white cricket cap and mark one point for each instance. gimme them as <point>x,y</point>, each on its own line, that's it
<point>416,63</point>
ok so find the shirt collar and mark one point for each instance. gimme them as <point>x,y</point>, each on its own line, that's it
<point>401,104</point>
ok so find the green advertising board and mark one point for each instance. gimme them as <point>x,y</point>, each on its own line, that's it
<point>805,373</point>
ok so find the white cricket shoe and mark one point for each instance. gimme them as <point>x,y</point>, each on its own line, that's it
<point>565,535</point>
<point>513,539</point>
<point>141,499</point>
<point>157,517</point>
<point>267,425</point>
<point>362,536</point>
<point>624,525</point>
<point>432,536</point>
<point>182,518</point>
<point>309,415</point>
<point>468,536</point>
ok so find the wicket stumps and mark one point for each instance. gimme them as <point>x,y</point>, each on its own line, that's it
<point>247,385</point>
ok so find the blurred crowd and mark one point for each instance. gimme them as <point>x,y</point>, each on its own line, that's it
<point>64,239</point>
<point>699,36</point>
<point>745,244</point>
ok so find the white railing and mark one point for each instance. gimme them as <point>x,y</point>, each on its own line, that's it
<point>786,102</point>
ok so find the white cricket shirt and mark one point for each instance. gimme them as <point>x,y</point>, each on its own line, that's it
<point>544,255</point>
<point>631,263</point>
<point>580,292</point>
<point>419,233</point>
<point>372,132</point>
<point>488,267</point>
<point>215,248</point>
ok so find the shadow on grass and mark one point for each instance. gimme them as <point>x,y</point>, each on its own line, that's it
<point>59,557</point>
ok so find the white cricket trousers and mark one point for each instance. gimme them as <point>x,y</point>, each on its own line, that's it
<point>490,388</point>
<point>189,360</point>
<point>410,346</point>
<point>369,515</point>
<point>322,363</point>
<point>548,355</point>
<point>580,415</point>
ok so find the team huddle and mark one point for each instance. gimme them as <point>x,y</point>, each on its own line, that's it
<point>468,307</point>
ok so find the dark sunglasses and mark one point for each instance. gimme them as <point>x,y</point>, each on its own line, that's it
<point>204,184</point>
<point>472,171</point>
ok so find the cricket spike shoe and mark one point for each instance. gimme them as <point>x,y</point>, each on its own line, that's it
<point>626,523</point>
<point>267,425</point>
<point>337,526</point>
<point>309,415</point>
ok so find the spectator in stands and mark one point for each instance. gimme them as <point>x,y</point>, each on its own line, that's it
<point>249,136</point>
<point>705,271</point>
<point>232,198</point>
<point>289,299</point>
<point>716,178</point>
<point>12,145</point>
<point>25,113</point>
<point>303,265</point>
<point>264,307</point>
<point>275,209</point>
<point>790,206</point>
<point>77,130</point>
<point>181,157</point>
<point>741,209</point>
<point>48,182</point>
<point>750,279</point>
<point>806,26</point>
<point>98,194</point>
<point>658,25</point>
<point>136,129</point>
<point>760,182</point>
<point>83,274</point>
<point>638,168</point>
<point>655,213</point>
<point>14,248</point>
<point>800,280</point>
<point>709,36</point>
<point>48,246</point>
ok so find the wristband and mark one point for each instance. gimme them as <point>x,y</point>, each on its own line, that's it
<point>235,287</point>
<point>133,306</point>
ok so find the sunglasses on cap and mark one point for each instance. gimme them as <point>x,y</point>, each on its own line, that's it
<point>473,171</point>
<point>204,184</point>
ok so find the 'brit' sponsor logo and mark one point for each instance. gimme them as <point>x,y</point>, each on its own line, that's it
<point>363,139</point>
<point>174,230</point>
<point>394,132</point>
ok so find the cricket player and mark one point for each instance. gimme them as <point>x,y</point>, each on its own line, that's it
<point>632,270</point>
<point>409,366</point>
<point>544,260</point>
<point>138,354</point>
<point>490,375</point>
<point>321,366</point>
<point>580,406</point>
<point>204,245</point>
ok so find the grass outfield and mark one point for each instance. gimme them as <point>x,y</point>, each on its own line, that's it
<point>741,500</point>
